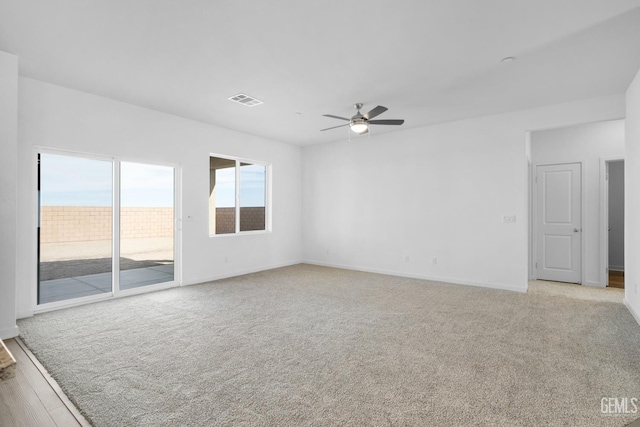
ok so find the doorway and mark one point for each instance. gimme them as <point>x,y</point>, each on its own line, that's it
<point>590,145</point>
<point>614,221</point>
<point>104,227</point>
<point>558,222</point>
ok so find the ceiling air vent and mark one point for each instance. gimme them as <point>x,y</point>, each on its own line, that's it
<point>247,100</point>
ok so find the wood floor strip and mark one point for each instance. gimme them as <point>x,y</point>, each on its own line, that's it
<point>63,417</point>
<point>616,279</point>
<point>79,418</point>
<point>21,405</point>
<point>48,397</point>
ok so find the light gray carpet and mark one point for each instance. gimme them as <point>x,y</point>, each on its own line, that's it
<point>307,345</point>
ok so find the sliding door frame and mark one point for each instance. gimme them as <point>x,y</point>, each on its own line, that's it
<point>115,235</point>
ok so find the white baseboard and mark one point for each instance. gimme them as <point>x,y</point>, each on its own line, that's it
<point>594,284</point>
<point>616,267</point>
<point>634,313</point>
<point>200,280</point>
<point>24,314</point>
<point>7,333</point>
<point>449,280</point>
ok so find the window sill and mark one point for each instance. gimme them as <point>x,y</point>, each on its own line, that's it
<point>241,233</point>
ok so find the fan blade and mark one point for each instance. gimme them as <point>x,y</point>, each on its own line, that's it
<point>339,126</point>
<point>386,122</point>
<point>375,112</point>
<point>336,117</point>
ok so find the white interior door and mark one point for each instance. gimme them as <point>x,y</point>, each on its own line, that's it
<point>559,222</point>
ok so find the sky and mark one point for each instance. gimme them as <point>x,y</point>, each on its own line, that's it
<point>77,181</point>
<point>252,186</point>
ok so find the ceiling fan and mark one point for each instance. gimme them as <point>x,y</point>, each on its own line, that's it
<point>360,122</point>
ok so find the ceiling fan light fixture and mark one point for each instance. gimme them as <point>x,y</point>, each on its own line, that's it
<point>359,126</point>
<point>359,123</point>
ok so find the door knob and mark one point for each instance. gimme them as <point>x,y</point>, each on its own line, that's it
<point>575,230</point>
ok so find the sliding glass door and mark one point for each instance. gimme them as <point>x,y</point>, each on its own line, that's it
<point>82,201</point>
<point>75,227</point>
<point>146,225</point>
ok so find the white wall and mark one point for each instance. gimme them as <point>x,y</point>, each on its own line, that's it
<point>586,143</point>
<point>8,183</point>
<point>616,216</point>
<point>433,192</point>
<point>438,191</point>
<point>632,199</point>
<point>56,117</point>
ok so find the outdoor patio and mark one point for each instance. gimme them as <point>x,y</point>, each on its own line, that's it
<point>78,269</point>
<point>94,284</point>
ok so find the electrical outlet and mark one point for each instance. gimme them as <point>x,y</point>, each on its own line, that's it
<point>508,218</point>
<point>434,260</point>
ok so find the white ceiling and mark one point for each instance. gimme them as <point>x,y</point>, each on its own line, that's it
<point>428,61</point>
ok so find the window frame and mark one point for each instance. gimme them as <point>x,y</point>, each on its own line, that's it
<point>267,195</point>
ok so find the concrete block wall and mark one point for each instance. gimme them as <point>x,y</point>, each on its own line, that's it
<point>75,223</point>
<point>138,223</point>
<point>85,223</point>
<point>251,218</point>
<point>225,220</point>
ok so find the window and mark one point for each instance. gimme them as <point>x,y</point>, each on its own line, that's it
<point>237,196</point>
